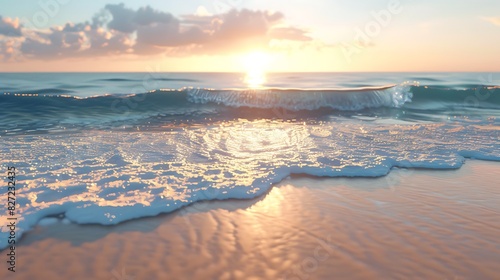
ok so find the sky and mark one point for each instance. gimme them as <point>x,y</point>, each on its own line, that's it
<point>249,35</point>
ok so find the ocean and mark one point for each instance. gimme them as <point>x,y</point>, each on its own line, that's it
<point>104,148</point>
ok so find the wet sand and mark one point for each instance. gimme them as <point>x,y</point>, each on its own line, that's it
<point>412,224</point>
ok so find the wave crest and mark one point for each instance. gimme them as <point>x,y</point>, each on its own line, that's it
<point>299,99</point>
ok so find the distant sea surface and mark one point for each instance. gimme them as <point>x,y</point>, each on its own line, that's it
<point>109,147</point>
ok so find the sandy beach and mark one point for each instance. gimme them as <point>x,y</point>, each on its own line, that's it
<point>412,224</point>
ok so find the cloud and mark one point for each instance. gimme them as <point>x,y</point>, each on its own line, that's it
<point>127,20</point>
<point>58,42</point>
<point>235,30</point>
<point>224,33</point>
<point>104,42</point>
<point>118,30</point>
<point>202,11</point>
<point>245,23</point>
<point>123,18</point>
<point>168,35</point>
<point>7,49</point>
<point>492,20</point>
<point>10,27</point>
<point>75,41</point>
<point>147,15</point>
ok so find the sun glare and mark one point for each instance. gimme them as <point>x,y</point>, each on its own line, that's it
<point>256,64</point>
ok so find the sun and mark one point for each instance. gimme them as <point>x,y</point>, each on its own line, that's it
<point>255,65</point>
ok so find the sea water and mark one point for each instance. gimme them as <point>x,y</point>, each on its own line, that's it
<point>109,147</point>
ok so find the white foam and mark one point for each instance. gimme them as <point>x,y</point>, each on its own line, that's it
<point>110,177</point>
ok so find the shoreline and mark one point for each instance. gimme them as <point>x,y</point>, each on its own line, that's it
<point>410,223</point>
<point>50,220</point>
